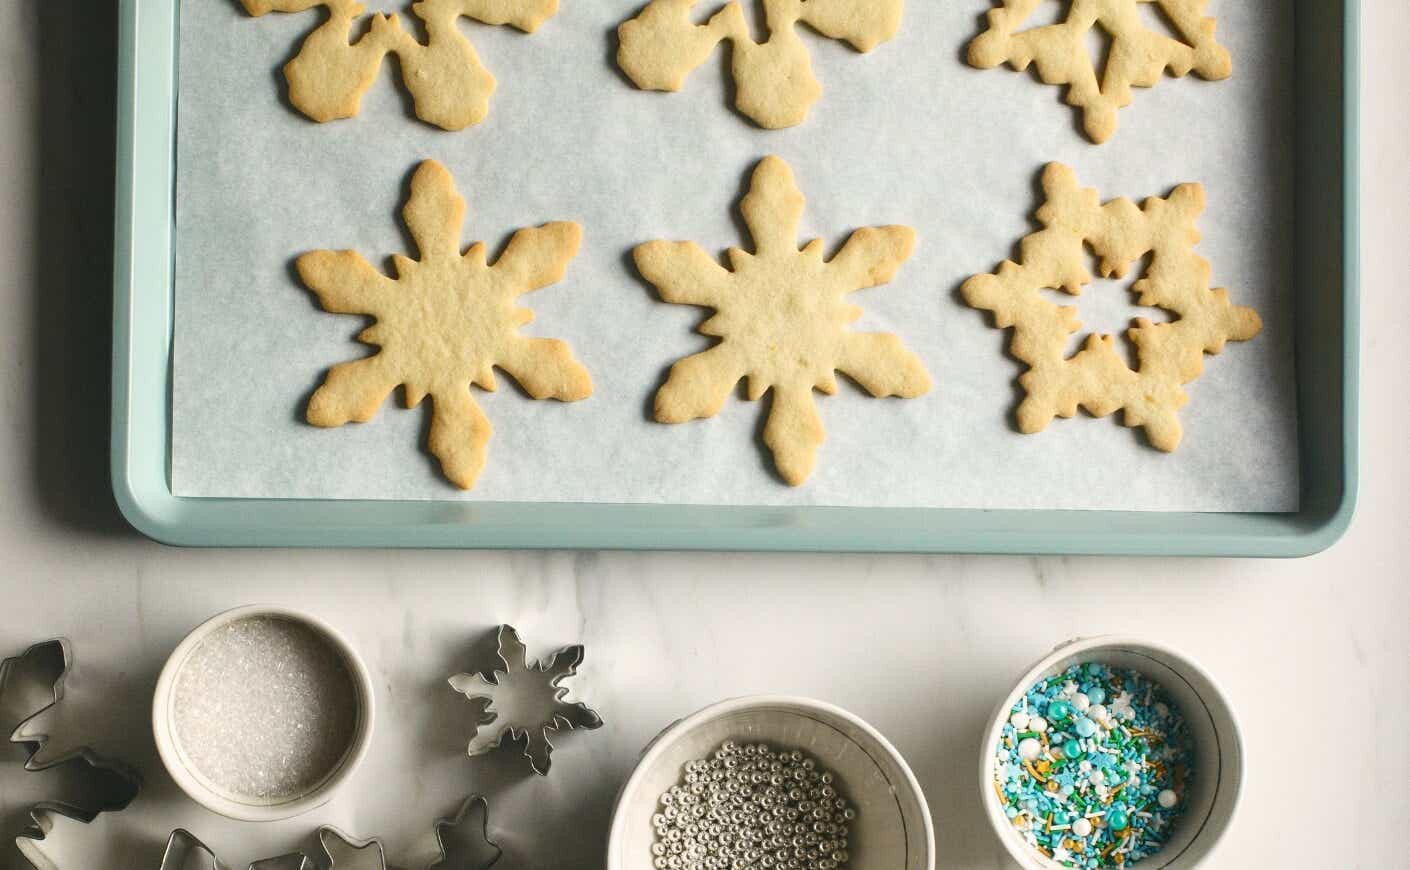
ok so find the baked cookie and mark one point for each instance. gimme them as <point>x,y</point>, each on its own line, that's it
<point>444,323</point>
<point>774,79</point>
<point>450,86</point>
<point>1138,57</point>
<point>1096,378</point>
<point>782,320</point>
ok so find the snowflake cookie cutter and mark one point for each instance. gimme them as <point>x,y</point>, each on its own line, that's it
<point>774,79</point>
<point>107,785</point>
<point>450,87</point>
<point>185,852</point>
<point>782,320</point>
<point>1097,378</point>
<point>529,698</point>
<point>57,837</point>
<point>340,852</point>
<point>1138,57</point>
<point>472,848</point>
<point>444,324</point>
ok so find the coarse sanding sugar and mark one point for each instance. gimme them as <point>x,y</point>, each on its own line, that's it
<point>264,709</point>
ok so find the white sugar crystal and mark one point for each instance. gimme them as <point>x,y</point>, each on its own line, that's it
<point>264,709</point>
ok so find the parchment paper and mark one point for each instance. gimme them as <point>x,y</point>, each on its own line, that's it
<point>907,134</point>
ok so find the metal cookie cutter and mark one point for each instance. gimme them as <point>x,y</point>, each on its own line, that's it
<point>185,852</point>
<point>526,698</point>
<point>471,847</point>
<point>340,852</point>
<point>57,839</point>
<point>34,680</point>
<point>346,853</point>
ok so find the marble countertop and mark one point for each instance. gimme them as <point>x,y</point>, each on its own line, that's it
<point>1314,654</point>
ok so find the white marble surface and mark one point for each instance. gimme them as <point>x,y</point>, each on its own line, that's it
<point>1315,654</point>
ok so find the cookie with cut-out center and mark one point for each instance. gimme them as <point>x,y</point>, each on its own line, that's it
<point>1097,378</point>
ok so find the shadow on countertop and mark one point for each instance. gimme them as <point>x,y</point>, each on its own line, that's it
<point>75,120</point>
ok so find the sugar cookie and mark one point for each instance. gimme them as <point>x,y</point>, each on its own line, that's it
<point>774,79</point>
<point>444,323</point>
<point>782,320</point>
<point>1170,354</point>
<point>447,81</point>
<point>1138,55</point>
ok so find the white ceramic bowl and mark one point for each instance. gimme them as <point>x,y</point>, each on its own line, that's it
<point>234,806</point>
<point>1219,758</point>
<point>892,830</point>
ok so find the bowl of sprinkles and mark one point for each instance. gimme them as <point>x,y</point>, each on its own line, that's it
<point>1109,753</point>
<point>771,782</point>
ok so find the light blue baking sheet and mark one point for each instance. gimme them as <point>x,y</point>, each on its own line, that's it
<point>1324,263</point>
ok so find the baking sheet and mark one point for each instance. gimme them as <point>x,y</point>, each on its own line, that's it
<point>907,134</point>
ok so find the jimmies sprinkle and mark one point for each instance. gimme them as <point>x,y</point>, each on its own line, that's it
<point>1094,766</point>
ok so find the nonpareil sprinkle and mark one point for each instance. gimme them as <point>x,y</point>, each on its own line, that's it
<point>753,806</point>
<point>1093,767</point>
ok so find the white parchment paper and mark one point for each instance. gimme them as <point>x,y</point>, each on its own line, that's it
<point>907,134</point>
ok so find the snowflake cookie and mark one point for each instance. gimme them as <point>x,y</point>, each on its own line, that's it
<point>1120,233</point>
<point>451,88</point>
<point>782,320</point>
<point>775,81</point>
<point>1138,56</point>
<point>444,323</point>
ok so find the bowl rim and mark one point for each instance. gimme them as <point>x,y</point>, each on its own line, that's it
<point>1029,859</point>
<point>197,790</point>
<point>658,744</point>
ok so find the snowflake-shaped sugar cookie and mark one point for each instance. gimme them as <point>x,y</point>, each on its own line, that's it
<point>1096,378</point>
<point>445,322</point>
<point>1138,55</point>
<point>776,86</point>
<point>450,86</point>
<point>782,320</point>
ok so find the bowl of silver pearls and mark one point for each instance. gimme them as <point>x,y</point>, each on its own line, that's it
<point>771,782</point>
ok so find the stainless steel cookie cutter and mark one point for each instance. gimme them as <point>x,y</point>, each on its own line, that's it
<point>473,849</point>
<point>106,785</point>
<point>185,852</point>
<point>342,852</point>
<point>292,861</point>
<point>57,839</point>
<point>526,699</point>
<point>55,657</point>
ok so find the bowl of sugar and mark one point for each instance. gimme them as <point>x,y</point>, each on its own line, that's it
<point>771,781</point>
<point>262,712</point>
<point>1112,752</point>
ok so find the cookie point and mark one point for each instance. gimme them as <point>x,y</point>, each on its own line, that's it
<point>793,473</point>
<point>772,164</point>
<point>986,51</point>
<point>432,169</point>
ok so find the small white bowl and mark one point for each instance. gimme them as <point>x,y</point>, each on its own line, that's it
<point>1218,746</point>
<point>240,807</point>
<point>892,830</point>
